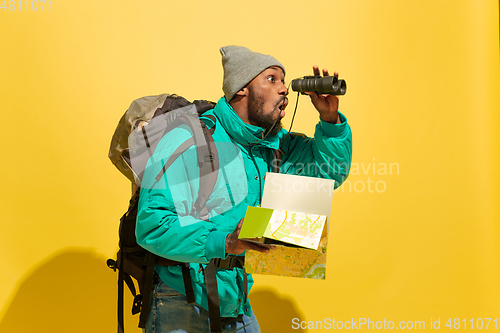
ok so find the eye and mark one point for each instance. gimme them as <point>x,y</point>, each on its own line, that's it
<point>271,78</point>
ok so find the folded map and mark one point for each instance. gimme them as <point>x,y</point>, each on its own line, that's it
<point>282,227</point>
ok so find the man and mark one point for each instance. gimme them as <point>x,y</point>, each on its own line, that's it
<point>247,129</point>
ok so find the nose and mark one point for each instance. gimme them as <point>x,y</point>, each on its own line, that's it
<point>283,90</point>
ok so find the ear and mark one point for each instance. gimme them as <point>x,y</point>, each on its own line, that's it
<point>242,92</point>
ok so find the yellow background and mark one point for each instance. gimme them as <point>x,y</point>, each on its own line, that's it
<point>423,95</point>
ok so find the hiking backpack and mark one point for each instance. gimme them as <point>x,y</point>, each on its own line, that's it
<point>138,132</point>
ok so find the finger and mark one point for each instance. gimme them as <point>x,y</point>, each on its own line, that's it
<point>238,227</point>
<point>313,95</point>
<point>315,70</point>
<point>325,72</point>
<point>267,246</point>
<point>332,101</point>
<point>336,74</point>
<point>256,247</point>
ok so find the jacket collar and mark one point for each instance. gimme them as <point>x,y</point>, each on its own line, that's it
<point>240,131</point>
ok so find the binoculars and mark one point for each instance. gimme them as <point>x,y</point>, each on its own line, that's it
<point>320,84</point>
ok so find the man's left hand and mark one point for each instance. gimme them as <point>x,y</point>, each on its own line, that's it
<point>327,105</point>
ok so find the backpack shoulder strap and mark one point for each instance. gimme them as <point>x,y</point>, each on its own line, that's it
<point>208,162</point>
<point>277,160</point>
<point>209,169</point>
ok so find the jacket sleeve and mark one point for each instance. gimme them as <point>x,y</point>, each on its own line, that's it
<point>164,226</point>
<point>327,155</point>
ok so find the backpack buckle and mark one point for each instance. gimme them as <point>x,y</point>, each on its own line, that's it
<point>137,306</point>
<point>112,264</point>
<point>229,263</point>
<point>209,157</point>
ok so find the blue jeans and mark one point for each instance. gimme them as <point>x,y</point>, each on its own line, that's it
<point>171,313</point>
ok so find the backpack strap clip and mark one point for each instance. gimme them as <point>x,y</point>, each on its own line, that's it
<point>137,306</point>
<point>209,157</point>
<point>112,264</point>
<point>229,263</point>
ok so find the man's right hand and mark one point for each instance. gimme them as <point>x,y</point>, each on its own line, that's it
<point>238,246</point>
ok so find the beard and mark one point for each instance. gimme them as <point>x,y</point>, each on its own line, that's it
<point>272,125</point>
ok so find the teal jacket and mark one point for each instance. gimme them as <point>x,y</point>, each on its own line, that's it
<point>164,225</point>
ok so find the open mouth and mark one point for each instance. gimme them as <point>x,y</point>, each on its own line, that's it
<point>283,104</point>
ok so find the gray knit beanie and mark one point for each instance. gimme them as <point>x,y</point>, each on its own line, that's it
<point>241,66</point>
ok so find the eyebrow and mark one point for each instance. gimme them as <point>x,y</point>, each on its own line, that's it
<point>276,69</point>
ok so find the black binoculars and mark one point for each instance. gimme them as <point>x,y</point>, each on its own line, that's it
<point>320,84</point>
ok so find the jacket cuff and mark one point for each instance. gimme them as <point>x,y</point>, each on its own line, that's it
<point>216,245</point>
<point>334,130</point>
